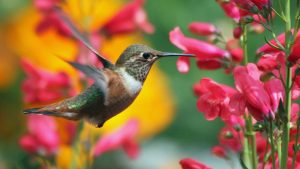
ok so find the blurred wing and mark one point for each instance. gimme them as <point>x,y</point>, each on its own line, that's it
<point>92,72</point>
<point>77,34</point>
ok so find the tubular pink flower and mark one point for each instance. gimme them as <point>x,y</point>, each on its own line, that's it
<point>219,151</point>
<point>48,87</point>
<point>237,32</point>
<point>209,64</point>
<point>189,163</point>
<point>231,10</point>
<point>183,64</point>
<point>129,19</point>
<point>261,3</point>
<point>201,49</point>
<point>276,91</point>
<point>213,99</point>
<point>202,28</point>
<point>266,48</point>
<point>247,82</point>
<point>237,54</point>
<point>42,135</point>
<point>267,62</point>
<point>122,137</point>
<point>295,54</point>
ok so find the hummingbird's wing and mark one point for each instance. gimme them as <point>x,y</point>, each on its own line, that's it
<point>77,34</point>
<point>92,72</point>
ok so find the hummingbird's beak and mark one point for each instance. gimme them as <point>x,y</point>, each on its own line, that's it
<point>166,54</point>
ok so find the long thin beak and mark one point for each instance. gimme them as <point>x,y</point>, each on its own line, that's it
<point>166,54</point>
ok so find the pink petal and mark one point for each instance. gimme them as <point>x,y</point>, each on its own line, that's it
<point>202,28</point>
<point>183,64</point>
<point>189,163</point>
<point>276,91</point>
<point>117,138</point>
<point>219,151</point>
<point>28,143</point>
<point>131,148</point>
<point>201,49</point>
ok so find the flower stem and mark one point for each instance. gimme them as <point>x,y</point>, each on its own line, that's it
<point>288,100</point>
<point>250,149</point>
<point>272,144</point>
<point>295,146</point>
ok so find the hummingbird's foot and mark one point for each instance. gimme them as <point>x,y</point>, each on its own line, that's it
<point>99,125</point>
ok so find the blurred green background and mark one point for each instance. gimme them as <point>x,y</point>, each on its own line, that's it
<point>189,135</point>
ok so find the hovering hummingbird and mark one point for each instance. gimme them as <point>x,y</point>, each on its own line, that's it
<point>115,85</point>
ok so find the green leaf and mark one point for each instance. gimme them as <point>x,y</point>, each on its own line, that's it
<point>242,162</point>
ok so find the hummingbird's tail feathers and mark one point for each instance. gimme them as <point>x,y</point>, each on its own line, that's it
<point>31,111</point>
<point>77,34</point>
<point>40,111</point>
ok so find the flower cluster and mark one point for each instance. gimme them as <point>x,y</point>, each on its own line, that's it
<point>260,112</point>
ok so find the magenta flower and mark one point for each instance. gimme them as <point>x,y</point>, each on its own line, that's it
<point>261,3</point>
<point>189,163</point>
<point>295,54</point>
<point>219,151</point>
<point>203,28</point>
<point>231,10</point>
<point>257,99</point>
<point>44,87</point>
<point>42,135</point>
<point>213,99</point>
<point>208,56</point>
<point>237,32</point>
<point>123,137</point>
<point>267,62</point>
<point>275,89</point>
<point>230,138</point>
<point>129,19</point>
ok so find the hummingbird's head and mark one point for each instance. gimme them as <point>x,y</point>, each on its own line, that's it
<point>138,59</point>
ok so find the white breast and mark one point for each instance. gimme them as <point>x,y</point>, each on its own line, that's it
<point>132,85</point>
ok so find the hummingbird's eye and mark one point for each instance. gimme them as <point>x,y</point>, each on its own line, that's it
<point>146,55</point>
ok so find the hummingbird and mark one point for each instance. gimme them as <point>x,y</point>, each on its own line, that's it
<point>115,86</point>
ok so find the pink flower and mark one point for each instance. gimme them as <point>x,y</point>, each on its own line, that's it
<point>44,87</point>
<point>276,91</point>
<point>50,18</point>
<point>219,151</point>
<point>208,56</point>
<point>295,54</point>
<point>266,48</point>
<point>213,99</point>
<point>237,54</point>
<point>129,19</point>
<point>245,4</point>
<point>230,138</point>
<point>189,163</point>
<point>183,64</point>
<point>202,28</point>
<point>257,99</point>
<point>122,137</point>
<point>201,49</point>
<point>45,5</point>
<point>237,32</point>
<point>267,63</point>
<point>231,10</point>
<point>42,135</point>
<point>261,3</point>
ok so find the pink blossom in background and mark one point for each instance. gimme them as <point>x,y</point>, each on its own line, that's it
<point>189,163</point>
<point>124,137</point>
<point>202,28</point>
<point>41,86</point>
<point>219,151</point>
<point>130,18</point>
<point>42,135</point>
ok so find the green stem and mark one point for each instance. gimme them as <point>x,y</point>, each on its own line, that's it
<point>250,149</point>
<point>288,100</point>
<point>295,146</point>
<point>272,144</point>
<point>75,150</point>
